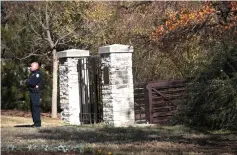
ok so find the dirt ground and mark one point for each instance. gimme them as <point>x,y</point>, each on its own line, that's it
<point>57,138</point>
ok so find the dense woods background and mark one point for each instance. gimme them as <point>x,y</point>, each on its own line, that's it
<point>171,40</point>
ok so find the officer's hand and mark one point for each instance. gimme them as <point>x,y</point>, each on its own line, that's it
<point>36,86</point>
<point>22,83</point>
<point>25,81</point>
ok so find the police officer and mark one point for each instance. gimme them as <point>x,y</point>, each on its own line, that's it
<point>34,84</point>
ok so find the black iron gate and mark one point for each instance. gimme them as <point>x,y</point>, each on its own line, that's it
<point>89,70</point>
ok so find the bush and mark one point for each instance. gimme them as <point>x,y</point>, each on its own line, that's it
<point>212,96</point>
<point>12,91</point>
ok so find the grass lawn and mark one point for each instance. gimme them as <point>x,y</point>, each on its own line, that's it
<point>57,138</point>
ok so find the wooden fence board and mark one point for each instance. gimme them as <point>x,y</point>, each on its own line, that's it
<point>157,102</point>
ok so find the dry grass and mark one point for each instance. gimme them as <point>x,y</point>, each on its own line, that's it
<point>133,140</point>
<point>10,121</point>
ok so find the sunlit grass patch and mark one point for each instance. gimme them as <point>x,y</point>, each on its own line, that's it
<point>10,121</point>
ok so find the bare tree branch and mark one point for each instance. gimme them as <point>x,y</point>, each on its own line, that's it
<point>31,54</point>
<point>38,20</point>
<point>64,37</point>
<point>49,38</point>
<point>33,29</point>
<point>46,16</point>
<point>40,35</point>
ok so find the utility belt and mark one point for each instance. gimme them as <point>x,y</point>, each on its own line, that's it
<point>34,90</point>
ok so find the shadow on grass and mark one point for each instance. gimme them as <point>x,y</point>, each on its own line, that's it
<point>23,126</point>
<point>108,135</point>
<point>99,135</point>
<point>151,139</point>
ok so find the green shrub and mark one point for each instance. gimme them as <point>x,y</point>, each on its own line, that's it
<point>212,96</point>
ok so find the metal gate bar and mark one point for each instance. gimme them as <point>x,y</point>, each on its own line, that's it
<point>89,70</point>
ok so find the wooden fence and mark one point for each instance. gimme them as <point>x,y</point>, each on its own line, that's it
<point>157,102</point>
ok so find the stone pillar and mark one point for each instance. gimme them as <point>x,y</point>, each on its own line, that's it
<point>117,85</point>
<point>69,85</point>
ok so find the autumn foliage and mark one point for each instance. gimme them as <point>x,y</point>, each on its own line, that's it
<point>187,20</point>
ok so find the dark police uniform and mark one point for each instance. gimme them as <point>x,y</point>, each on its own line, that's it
<point>35,79</point>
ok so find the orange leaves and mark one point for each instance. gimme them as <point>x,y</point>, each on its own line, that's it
<point>187,18</point>
<point>233,5</point>
<point>174,21</point>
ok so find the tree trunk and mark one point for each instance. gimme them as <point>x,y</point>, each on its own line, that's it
<point>55,86</point>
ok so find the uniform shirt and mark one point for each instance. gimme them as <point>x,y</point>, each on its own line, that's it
<point>35,79</point>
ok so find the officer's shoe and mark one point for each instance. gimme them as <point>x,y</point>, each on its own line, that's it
<point>36,125</point>
<point>39,126</point>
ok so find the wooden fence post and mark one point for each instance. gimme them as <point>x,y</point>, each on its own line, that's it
<point>149,87</point>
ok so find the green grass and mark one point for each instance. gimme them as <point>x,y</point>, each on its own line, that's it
<point>100,139</point>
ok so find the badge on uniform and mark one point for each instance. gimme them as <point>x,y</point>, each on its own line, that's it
<point>37,75</point>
